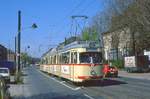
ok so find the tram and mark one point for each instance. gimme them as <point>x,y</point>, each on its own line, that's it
<point>78,61</point>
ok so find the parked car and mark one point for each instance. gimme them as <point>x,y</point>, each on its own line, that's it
<point>4,92</point>
<point>4,72</point>
<point>110,71</point>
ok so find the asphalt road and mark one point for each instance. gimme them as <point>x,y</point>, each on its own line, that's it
<point>39,85</point>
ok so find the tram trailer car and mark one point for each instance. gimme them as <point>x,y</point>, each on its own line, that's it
<point>77,62</point>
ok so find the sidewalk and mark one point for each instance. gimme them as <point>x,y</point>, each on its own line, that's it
<point>18,91</point>
<point>122,73</point>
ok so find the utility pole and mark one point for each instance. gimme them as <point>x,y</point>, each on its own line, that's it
<point>16,54</point>
<point>18,47</point>
<point>19,38</point>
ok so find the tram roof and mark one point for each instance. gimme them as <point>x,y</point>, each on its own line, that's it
<point>80,44</point>
<point>76,44</point>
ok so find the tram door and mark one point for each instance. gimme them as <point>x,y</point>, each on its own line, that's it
<point>73,62</point>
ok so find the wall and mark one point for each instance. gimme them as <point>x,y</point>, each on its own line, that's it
<point>3,53</point>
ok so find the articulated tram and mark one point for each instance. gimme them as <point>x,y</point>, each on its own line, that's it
<point>77,62</point>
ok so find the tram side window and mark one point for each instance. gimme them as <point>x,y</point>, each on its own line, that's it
<point>43,61</point>
<point>60,59</point>
<point>74,57</point>
<point>46,61</point>
<point>50,60</point>
<point>54,61</point>
<point>68,57</point>
<point>65,58</point>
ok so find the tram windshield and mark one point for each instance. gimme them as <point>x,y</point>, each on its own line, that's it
<point>91,57</point>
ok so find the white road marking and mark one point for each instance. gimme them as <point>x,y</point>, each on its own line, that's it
<point>70,87</point>
<point>88,96</point>
<point>62,82</point>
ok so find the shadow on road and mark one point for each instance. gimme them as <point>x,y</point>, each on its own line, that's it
<point>102,83</point>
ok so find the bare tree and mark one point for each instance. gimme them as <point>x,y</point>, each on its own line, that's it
<point>137,17</point>
<point>115,42</point>
<point>134,14</point>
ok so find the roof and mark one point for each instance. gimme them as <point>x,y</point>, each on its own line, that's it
<point>81,44</point>
<point>3,46</point>
<point>76,44</point>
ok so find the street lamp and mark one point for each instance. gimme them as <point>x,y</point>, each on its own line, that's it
<point>34,26</point>
<point>18,47</point>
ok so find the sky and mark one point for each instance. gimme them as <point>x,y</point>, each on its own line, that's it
<point>51,16</point>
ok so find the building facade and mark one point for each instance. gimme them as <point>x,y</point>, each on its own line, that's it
<point>10,56</point>
<point>117,43</point>
<point>3,53</point>
<point>6,54</point>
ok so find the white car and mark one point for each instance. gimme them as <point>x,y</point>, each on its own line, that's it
<point>4,72</point>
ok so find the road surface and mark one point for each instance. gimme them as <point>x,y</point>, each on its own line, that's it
<point>39,85</point>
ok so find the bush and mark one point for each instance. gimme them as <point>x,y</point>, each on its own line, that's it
<point>117,63</point>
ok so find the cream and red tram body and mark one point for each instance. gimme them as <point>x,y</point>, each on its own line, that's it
<point>77,62</point>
